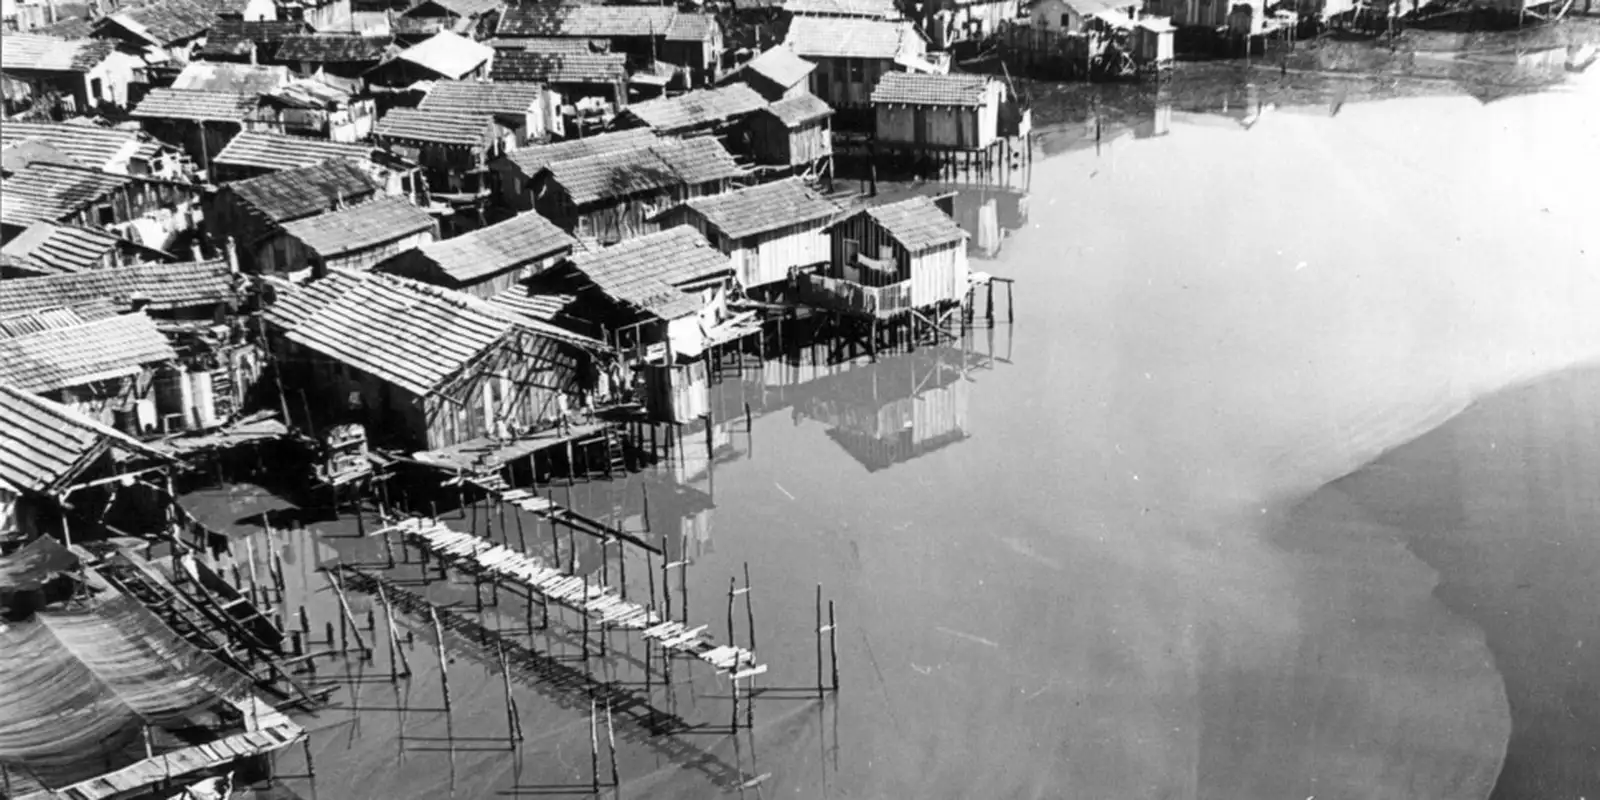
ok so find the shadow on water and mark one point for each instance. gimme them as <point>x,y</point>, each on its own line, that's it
<point>1504,502</point>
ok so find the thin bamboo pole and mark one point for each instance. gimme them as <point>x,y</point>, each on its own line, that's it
<point>344,605</point>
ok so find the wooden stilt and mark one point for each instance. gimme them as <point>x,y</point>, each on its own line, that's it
<point>611,740</point>
<point>594,745</point>
<point>344,606</point>
<point>645,489</point>
<point>819,641</point>
<point>833,645</point>
<point>513,720</point>
<point>395,650</point>
<point>305,621</point>
<point>522,544</point>
<point>749,613</point>
<point>444,663</point>
<point>583,611</point>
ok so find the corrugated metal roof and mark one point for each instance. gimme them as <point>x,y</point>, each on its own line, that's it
<point>43,444</point>
<point>448,55</point>
<point>656,166</point>
<point>407,333</point>
<point>165,286</point>
<point>781,66</point>
<point>533,159</point>
<point>697,108</point>
<point>497,248</point>
<point>194,106</point>
<point>90,145</point>
<point>224,77</point>
<point>916,223</point>
<point>646,272</point>
<point>304,191</point>
<point>585,21</point>
<point>479,97</point>
<point>921,89</point>
<point>441,127</point>
<point>358,227</point>
<point>843,37</point>
<point>334,48</point>
<point>61,357</point>
<point>799,110</point>
<point>871,9</point>
<point>279,151</point>
<point>540,67</point>
<point>763,208</point>
<point>53,191</point>
<point>24,52</point>
<point>49,248</point>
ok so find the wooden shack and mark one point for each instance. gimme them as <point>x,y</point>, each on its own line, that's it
<point>343,55</point>
<point>48,248</point>
<point>574,83</point>
<point>254,211</point>
<point>443,56</point>
<point>852,54</point>
<point>520,110</point>
<point>1152,41</point>
<point>777,74</point>
<point>308,107</point>
<point>720,111</point>
<point>514,173</point>
<point>768,231</point>
<point>891,259</point>
<point>72,77</point>
<point>615,196</point>
<point>203,121</point>
<point>938,112</point>
<point>423,367</point>
<point>453,148</point>
<point>487,261</point>
<point>693,41</point>
<point>92,360</point>
<point>356,237</point>
<point>793,133</point>
<point>153,213</point>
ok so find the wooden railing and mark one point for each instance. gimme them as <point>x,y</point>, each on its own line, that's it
<point>849,297</point>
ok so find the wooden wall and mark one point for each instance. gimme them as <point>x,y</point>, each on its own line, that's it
<point>936,275</point>
<point>941,127</point>
<point>619,219</point>
<point>513,386</point>
<point>848,81</point>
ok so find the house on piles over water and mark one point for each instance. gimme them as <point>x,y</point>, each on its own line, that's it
<point>356,237</point>
<point>489,260</point>
<point>255,153</point>
<point>204,122</point>
<point>719,111</point>
<point>583,86</point>
<point>51,455</point>
<point>520,110</point>
<point>889,260</point>
<point>421,365</point>
<point>48,248</point>
<point>119,152</point>
<point>66,77</point>
<point>91,359</point>
<point>769,230</point>
<point>920,112</point>
<point>153,213</point>
<point>851,55</point>
<point>515,172</point>
<point>613,196</point>
<point>254,211</point>
<point>646,34</point>
<point>794,135</point>
<point>777,74</point>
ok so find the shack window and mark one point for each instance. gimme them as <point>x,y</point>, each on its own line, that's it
<point>857,70</point>
<point>107,216</point>
<point>1066,21</point>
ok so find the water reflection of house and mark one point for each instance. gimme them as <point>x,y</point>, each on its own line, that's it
<point>990,215</point>
<point>895,410</point>
<point>1237,108</point>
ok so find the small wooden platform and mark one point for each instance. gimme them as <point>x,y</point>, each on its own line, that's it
<point>484,455</point>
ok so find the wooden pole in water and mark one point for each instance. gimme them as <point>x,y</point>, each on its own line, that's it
<point>833,645</point>
<point>622,569</point>
<point>255,581</point>
<point>444,663</point>
<point>513,720</point>
<point>327,632</point>
<point>749,613</point>
<point>305,622</point>
<point>611,741</point>
<point>594,745</point>
<point>666,593</point>
<point>583,610</point>
<point>394,635</point>
<point>344,605</point>
<point>819,641</point>
<point>555,536</point>
<point>388,548</point>
<point>522,544</point>
<point>645,489</point>
<point>731,585</point>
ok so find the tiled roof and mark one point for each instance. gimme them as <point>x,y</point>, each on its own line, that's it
<point>762,208</point>
<point>780,66</point>
<point>533,159</point>
<point>30,52</point>
<point>334,48</point>
<point>43,444</point>
<point>691,26</point>
<point>44,319</point>
<point>410,334</point>
<point>920,89</point>
<point>164,22</point>
<point>540,67</point>
<point>90,145</point>
<point>872,9</point>
<point>550,45</point>
<point>224,77</point>
<point>48,248</point>
<point>448,54</point>
<point>53,191</point>
<point>304,191</point>
<point>841,37</point>
<point>461,8</point>
<point>656,166</point>
<point>66,28</point>
<point>799,110</point>
<point>586,21</point>
<point>697,108</point>
<point>164,286</point>
<point>277,151</point>
<point>358,227</point>
<point>310,93</point>
<point>645,272</point>
<point>194,106</point>
<point>917,223</point>
<point>61,357</point>
<point>443,127</point>
<point>497,248</point>
<point>232,37</point>
<point>546,308</point>
<point>479,97</point>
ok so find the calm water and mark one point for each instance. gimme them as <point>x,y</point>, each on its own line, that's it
<point>1114,566</point>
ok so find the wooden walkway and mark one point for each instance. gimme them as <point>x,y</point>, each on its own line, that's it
<point>478,556</point>
<point>547,509</point>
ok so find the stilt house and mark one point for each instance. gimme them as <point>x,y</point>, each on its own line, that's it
<point>357,237</point>
<point>487,261</point>
<point>768,230</point>
<point>720,111</point>
<point>520,110</point>
<point>795,133</point>
<point>614,196</point>
<point>254,211</point>
<point>514,174</point>
<point>776,74</point>
<point>852,54</point>
<point>941,112</point>
<point>892,259</point>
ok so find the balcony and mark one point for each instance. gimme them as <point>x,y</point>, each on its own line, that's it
<point>849,297</point>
